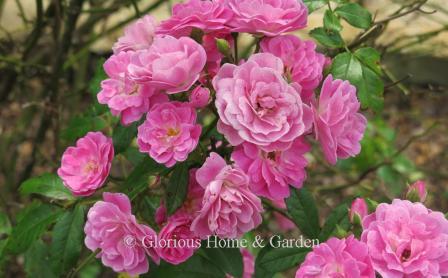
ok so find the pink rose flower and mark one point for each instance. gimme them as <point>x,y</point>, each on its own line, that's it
<point>270,18</point>
<point>337,124</point>
<point>358,210</point>
<point>417,192</point>
<point>169,133</point>
<point>85,167</point>
<point>161,215</point>
<point>302,63</point>
<point>248,263</point>
<point>113,229</point>
<point>407,240</point>
<point>199,97</point>
<point>229,208</point>
<point>123,96</point>
<point>257,105</point>
<point>137,35</point>
<point>171,64</point>
<point>182,240</point>
<point>271,173</point>
<point>209,16</point>
<point>283,222</point>
<point>346,257</point>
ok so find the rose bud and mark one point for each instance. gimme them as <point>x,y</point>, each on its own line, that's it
<point>199,97</point>
<point>358,211</point>
<point>417,192</point>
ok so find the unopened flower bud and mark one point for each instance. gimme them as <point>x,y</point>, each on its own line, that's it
<point>417,192</point>
<point>358,211</point>
<point>199,97</point>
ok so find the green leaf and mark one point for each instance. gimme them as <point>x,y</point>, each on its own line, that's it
<point>369,57</point>
<point>273,260</point>
<point>331,21</point>
<point>123,136</point>
<point>370,87</point>
<point>195,267</point>
<point>79,126</point>
<point>147,208</point>
<point>314,4</point>
<point>49,185</point>
<point>229,260</point>
<point>138,180</point>
<point>302,208</point>
<point>223,47</point>
<point>356,15</point>
<point>5,225</point>
<point>68,235</point>
<point>37,260</point>
<point>32,224</point>
<point>177,187</point>
<point>328,38</point>
<point>95,87</point>
<point>134,156</point>
<point>337,218</point>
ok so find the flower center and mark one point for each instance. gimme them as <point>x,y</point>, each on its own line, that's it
<point>90,166</point>
<point>271,155</point>
<point>405,255</point>
<point>172,132</point>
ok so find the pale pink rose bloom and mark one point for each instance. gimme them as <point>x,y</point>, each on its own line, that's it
<point>358,209</point>
<point>283,222</point>
<point>199,97</point>
<point>268,17</point>
<point>337,124</point>
<point>406,239</point>
<point>257,105</point>
<point>169,133</point>
<point>112,228</point>
<point>271,173</point>
<point>229,208</point>
<point>336,258</point>
<point>138,35</point>
<point>171,64</point>
<point>208,16</point>
<point>183,242</point>
<point>302,63</point>
<point>85,167</point>
<point>417,192</point>
<point>124,97</point>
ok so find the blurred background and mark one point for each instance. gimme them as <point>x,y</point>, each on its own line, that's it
<point>51,55</point>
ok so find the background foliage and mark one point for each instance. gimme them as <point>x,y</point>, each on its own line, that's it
<point>51,56</point>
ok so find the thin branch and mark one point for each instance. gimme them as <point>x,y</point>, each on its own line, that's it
<point>386,161</point>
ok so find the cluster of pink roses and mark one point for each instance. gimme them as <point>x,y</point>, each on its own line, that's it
<point>265,106</point>
<point>402,239</point>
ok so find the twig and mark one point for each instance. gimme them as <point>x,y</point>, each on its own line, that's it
<point>137,11</point>
<point>386,161</point>
<point>417,7</point>
<point>62,47</point>
<point>83,263</point>
<point>86,46</point>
